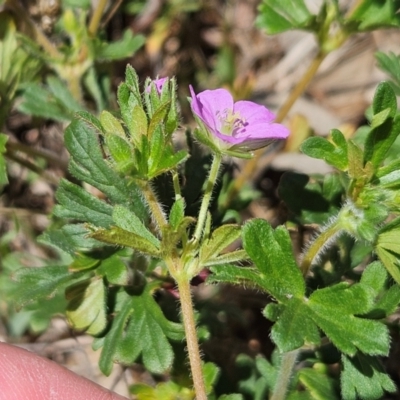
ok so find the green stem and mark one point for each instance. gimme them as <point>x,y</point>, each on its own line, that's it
<point>212,178</point>
<point>319,244</point>
<point>191,336</point>
<point>284,375</point>
<point>96,18</point>
<point>155,207</point>
<point>177,186</point>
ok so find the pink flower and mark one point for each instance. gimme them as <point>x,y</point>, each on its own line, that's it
<point>234,128</point>
<point>159,83</point>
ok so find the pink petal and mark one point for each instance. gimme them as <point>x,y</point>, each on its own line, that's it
<point>263,131</point>
<point>211,105</point>
<point>252,112</point>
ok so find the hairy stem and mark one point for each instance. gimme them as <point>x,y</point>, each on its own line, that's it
<point>284,375</point>
<point>191,336</point>
<point>212,178</point>
<point>296,92</point>
<point>96,18</point>
<point>319,244</point>
<point>155,207</point>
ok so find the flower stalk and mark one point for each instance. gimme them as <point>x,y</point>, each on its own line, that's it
<point>212,178</point>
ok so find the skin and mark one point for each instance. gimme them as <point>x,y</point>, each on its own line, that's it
<point>25,375</point>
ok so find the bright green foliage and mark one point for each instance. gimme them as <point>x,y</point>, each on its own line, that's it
<point>36,283</point>
<point>372,14</point>
<point>334,153</point>
<point>271,252</point>
<point>385,125</point>
<point>363,377</point>
<point>390,63</point>
<point>334,309</point>
<point>221,238</point>
<point>388,248</point>
<point>277,16</point>
<point>318,384</point>
<point>87,164</point>
<point>80,205</point>
<point>139,327</point>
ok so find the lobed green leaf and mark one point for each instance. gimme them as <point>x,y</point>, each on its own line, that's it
<point>271,252</point>
<point>86,308</point>
<point>363,377</point>
<point>76,203</point>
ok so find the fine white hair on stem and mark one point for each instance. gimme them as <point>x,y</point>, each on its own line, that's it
<point>326,244</point>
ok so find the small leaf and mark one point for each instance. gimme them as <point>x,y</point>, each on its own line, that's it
<point>127,220</point>
<point>111,125</point>
<point>83,262</point>
<point>221,238</point>
<point>318,147</point>
<point>114,270</point>
<point>380,140</point>
<point>63,95</point>
<point>91,120</point>
<point>86,308</point>
<point>226,273</point>
<point>121,237</point>
<point>271,252</point>
<point>356,162</point>
<point>333,309</point>
<point>39,283</point>
<point>388,250</point>
<point>319,385</point>
<point>390,63</point>
<point>121,152</point>
<point>227,258</point>
<point>277,16</point>
<point>140,327</point>
<point>158,117</point>
<point>76,203</point>
<point>137,124</point>
<point>363,377</point>
<point>374,276</point>
<point>177,213</point>
<point>294,327</point>
<point>210,373</point>
<point>70,238</point>
<point>87,164</point>
<point>119,49</point>
<point>374,14</point>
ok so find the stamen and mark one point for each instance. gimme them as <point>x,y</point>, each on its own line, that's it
<point>231,122</point>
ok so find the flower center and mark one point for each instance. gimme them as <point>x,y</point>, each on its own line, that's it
<point>231,122</point>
